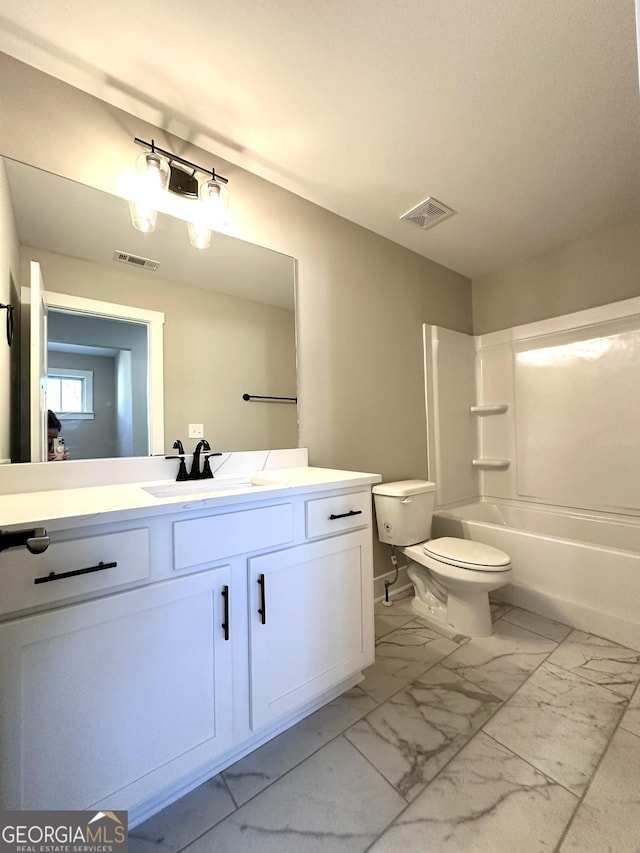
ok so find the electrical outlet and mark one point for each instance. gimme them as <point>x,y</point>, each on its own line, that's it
<point>196,430</point>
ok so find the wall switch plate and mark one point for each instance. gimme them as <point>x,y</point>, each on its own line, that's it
<point>196,430</point>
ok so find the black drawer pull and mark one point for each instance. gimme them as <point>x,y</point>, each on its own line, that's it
<point>225,624</point>
<point>262,610</point>
<point>351,512</point>
<point>52,576</point>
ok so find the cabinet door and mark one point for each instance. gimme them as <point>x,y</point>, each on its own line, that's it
<point>103,703</point>
<point>311,622</point>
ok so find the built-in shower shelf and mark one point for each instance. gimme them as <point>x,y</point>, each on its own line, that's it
<point>491,464</point>
<point>496,409</point>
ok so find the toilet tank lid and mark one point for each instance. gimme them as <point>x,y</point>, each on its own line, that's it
<point>404,488</point>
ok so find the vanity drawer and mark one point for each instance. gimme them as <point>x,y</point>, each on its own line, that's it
<point>22,573</point>
<point>337,514</point>
<point>216,537</point>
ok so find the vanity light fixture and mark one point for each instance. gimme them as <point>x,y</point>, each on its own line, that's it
<point>160,171</point>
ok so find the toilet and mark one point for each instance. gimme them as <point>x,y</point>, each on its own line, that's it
<point>452,578</point>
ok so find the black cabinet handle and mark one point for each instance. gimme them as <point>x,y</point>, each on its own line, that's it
<point>225,624</point>
<point>333,517</point>
<point>52,576</point>
<point>262,610</point>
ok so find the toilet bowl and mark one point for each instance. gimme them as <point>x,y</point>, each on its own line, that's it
<point>452,578</point>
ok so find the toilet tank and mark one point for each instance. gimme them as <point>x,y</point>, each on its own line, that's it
<point>404,510</point>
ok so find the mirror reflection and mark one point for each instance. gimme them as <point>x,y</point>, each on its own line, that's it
<point>226,317</point>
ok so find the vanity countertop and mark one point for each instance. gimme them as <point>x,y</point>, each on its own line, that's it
<point>156,498</point>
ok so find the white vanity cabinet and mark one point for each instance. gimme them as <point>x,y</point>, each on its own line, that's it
<point>310,622</point>
<point>210,628</point>
<point>107,700</point>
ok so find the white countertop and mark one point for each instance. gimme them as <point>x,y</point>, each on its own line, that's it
<point>40,508</point>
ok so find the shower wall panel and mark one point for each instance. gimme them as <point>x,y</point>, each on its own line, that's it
<point>450,393</point>
<point>577,406</point>
<point>566,430</point>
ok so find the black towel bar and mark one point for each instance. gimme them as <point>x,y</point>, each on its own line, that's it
<point>250,397</point>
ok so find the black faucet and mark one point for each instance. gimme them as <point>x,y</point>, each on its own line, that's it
<point>196,473</point>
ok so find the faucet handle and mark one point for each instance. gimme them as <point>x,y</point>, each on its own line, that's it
<point>207,473</point>
<point>177,445</point>
<point>182,468</point>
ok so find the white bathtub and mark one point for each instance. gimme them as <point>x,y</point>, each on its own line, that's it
<point>578,568</point>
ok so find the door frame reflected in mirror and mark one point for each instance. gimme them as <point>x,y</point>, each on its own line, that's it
<point>154,322</point>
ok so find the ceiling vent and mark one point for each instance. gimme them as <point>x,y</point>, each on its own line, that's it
<point>135,260</point>
<point>428,213</point>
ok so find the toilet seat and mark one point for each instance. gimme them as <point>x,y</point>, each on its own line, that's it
<point>465,554</point>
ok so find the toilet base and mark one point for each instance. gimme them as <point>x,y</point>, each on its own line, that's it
<point>469,616</point>
<point>435,618</point>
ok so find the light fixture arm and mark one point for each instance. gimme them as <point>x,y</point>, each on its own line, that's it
<point>174,158</point>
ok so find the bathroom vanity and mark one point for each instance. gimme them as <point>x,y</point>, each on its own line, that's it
<point>170,628</point>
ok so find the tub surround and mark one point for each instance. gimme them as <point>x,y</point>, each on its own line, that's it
<point>545,412</point>
<point>541,420</point>
<point>450,391</point>
<point>570,429</point>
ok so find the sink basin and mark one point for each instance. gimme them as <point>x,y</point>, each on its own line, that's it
<point>196,488</point>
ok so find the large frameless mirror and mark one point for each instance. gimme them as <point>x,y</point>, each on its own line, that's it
<point>123,310</point>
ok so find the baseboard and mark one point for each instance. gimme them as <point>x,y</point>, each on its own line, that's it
<point>570,613</point>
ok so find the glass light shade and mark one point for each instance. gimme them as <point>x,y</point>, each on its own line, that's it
<point>143,217</point>
<point>214,197</point>
<point>199,235</point>
<point>153,178</point>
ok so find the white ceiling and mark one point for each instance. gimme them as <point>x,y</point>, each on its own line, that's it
<point>522,115</point>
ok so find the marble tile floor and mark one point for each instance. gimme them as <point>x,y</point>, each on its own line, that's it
<point>523,742</point>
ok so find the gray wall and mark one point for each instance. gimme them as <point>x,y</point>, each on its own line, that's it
<point>594,270</point>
